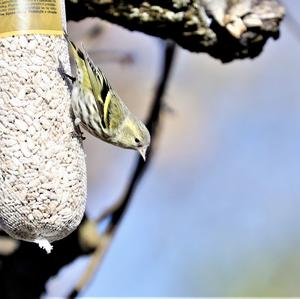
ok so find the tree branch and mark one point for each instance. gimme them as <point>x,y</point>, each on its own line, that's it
<point>152,125</point>
<point>225,29</point>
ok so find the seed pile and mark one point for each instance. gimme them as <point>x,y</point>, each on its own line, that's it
<point>42,167</point>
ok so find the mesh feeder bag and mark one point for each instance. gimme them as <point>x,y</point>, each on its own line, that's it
<point>42,169</point>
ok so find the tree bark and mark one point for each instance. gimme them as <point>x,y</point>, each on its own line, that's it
<point>225,29</point>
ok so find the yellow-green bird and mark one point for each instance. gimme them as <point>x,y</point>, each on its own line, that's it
<point>99,109</point>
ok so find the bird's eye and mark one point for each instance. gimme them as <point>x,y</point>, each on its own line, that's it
<point>137,140</point>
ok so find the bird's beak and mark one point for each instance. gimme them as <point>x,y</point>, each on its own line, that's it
<point>142,151</point>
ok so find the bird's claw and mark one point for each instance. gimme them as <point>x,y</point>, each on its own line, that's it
<point>78,135</point>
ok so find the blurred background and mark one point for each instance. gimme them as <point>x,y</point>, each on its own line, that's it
<point>217,212</point>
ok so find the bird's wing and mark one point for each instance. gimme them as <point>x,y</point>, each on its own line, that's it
<point>100,87</point>
<point>108,103</point>
<point>115,112</point>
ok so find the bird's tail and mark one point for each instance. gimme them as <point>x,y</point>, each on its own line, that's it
<point>76,52</point>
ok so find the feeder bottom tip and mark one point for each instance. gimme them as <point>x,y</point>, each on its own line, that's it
<point>44,244</point>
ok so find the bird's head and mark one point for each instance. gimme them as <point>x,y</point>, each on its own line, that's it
<point>134,135</point>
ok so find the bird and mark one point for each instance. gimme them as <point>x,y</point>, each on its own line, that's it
<point>98,108</point>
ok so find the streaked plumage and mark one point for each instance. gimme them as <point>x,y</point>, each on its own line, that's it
<point>100,110</point>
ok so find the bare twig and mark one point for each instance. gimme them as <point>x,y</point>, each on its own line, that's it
<point>152,124</point>
<point>117,211</point>
<point>96,258</point>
